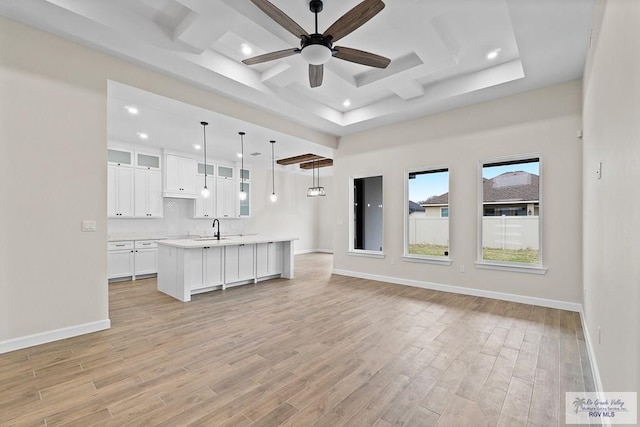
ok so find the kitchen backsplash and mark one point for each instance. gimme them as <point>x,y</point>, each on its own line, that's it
<point>176,221</point>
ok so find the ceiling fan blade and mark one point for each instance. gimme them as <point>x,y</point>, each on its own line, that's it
<point>315,75</point>
<point>270,56</point>
<point>353,19</point>
<point>281,18</point>
<point>361,57</point>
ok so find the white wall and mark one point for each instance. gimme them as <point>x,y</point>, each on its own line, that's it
<point>543,121</point>
<point>53,133</point>
<point>611,204</point>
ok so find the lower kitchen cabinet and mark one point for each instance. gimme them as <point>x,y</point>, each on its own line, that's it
<point>203,268</point>
<point>128,259</point>
<point>268,259</point>
<point>120,259</point>
<point>146,257</point>
<point>239,263</point>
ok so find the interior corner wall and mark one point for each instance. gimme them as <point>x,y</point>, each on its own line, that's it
<point>611,204</point>
<point>53,136</point>
<point>544,121</point>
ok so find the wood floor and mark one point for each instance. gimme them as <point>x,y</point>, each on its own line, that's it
<point>318,350</point>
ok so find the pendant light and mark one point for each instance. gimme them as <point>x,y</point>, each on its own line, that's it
<point>273,196</point>
<point>315,190</point>
<point>243,194</point>
<point>205,190</point>
<point>311,192</point>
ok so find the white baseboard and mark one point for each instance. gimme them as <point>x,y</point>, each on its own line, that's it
<point>592,355</point>
<point>55,335</point>
<point>562,305</point>
<point>313,251</point>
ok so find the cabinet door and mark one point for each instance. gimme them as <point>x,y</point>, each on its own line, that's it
<point>140,208</point>
<point>231,264</point>
<point>246,265</point>
<point>226,198</point>
<point>275,257</point>
<point>120,263</point>
<point>146,261</point>
<point>124,197</point>
<point>154,193</point>
<point>268,259</point>
<point>172,173</point>
<point>213,266</point>
<point>119,191</point>
<point>262,259</point>
<point>245,205</point>
<point>205,207</point>
<point>112,191</point>
<point>188,170</point>
<point>194,268</point>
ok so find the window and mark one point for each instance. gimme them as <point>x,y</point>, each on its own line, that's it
<point>427,222</point>
<point>510,206</point>
<point>366,224</point>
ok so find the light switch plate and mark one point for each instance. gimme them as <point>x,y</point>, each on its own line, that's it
<point>599,170</point>
<point>88,225</point>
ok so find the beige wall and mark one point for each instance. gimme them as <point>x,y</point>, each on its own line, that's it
<point>53,173</point>
<point>611,204</point>
<point>543,121</point>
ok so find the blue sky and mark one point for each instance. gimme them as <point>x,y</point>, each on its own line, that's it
<point>434,184</point>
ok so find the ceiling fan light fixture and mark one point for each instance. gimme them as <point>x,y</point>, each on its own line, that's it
<point>316,54</point>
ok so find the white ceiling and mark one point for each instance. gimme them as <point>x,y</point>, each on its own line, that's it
<point>176,126</point>
<point>438,50</point>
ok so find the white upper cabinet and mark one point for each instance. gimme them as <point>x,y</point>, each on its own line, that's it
<point>180,177</point>
<point>225,172</point>
<point>119,191</point>
<point>116,156</point>
<point>204,207</point>
<point>226,198</point>
<point>147,161</point>
<point>148,193</point>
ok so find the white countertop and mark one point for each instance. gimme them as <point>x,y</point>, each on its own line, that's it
<point>224,241</point>
<point>134,236</point>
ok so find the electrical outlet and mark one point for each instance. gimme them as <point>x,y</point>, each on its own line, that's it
<point>461,268</point>
<point>393,261</point>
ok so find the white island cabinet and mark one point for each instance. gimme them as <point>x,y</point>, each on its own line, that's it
<point>187,267</point>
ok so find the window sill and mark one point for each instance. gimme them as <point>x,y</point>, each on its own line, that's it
<point>427,260</point>
<point>366,254</point>
<point>512,267</point>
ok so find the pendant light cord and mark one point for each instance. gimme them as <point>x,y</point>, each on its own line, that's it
<point>273,169</point>
<point>204,133</point>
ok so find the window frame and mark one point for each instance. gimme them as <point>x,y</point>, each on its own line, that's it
<point>363,252</point>
<point>538,268</point>
<point>426,259</point>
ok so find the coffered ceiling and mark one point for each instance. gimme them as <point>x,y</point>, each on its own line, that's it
<point>444,53</point>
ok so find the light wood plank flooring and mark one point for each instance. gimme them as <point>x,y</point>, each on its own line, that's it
<point>318,350</point>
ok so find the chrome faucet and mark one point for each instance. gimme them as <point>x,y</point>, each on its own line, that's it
<point>216,235</point>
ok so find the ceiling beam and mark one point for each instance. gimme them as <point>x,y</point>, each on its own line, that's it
<point>317,164</point>
<point>298,159</point>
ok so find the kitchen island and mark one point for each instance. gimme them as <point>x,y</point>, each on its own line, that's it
<point>192,266</point>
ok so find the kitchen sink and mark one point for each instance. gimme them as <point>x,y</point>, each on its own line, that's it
<point>211,238</point>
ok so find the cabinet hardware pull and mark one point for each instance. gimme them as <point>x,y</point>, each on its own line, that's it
<point>119,245</point>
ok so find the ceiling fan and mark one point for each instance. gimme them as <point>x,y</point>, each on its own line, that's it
<point>318,48</point>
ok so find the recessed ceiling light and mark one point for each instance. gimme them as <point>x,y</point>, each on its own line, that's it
<point>197,146</point>
<point>143,135</point>
<point>347,102</point>
<point>246,49</point>
<point>493,54</point>
<point>132,110</point>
